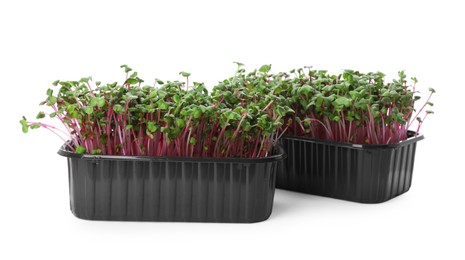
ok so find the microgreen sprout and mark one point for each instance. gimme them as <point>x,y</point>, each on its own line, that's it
<point>165,119</point>
<point>244,116</point>
<point>353,107</point>
<point>253,113</point>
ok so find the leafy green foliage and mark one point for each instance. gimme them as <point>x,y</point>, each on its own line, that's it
<point>40,115</point>
<point>80,149</point>
<point>244,116</point>
<point>351,107</point>
<point>184,74</point>
<point>252,112</point>
<point>24,125</point>
<point>168,119</point>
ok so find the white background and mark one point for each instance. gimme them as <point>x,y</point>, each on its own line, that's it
<point>42,41</point>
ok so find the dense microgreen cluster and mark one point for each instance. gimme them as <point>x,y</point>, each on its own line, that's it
<point>166,119</point>
<point>353,107</point>
<point>256,120</point>
<point>244,116</point>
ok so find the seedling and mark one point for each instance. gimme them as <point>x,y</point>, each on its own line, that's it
<point>353,107</point>
<point>166,119</point>
<point>253,113</point>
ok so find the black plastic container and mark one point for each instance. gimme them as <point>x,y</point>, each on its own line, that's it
<point>360,173</point>
<point>129,188</point>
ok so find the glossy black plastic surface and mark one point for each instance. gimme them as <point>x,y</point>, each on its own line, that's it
<point>360,173</point>
<point>129,188</point>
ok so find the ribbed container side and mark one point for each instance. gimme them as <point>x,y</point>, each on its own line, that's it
<point>188,191</point>
<point>366,174</point>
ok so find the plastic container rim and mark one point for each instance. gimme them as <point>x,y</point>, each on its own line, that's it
<point>412,138</point>
<point>280,154</point>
